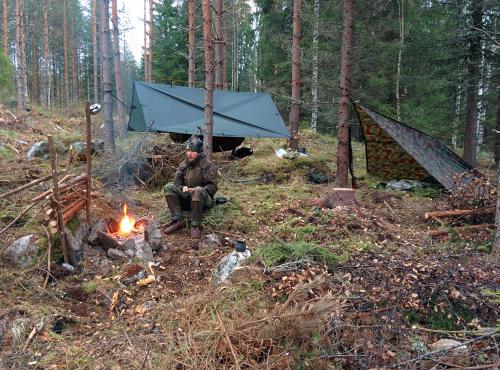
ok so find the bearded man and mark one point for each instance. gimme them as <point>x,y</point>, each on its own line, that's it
<point>193,189</point>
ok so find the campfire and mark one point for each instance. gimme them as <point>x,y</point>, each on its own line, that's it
<point>127,237</point>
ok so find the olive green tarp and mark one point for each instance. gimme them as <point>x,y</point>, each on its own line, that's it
<point>177,109</point>
<point>396,151</point>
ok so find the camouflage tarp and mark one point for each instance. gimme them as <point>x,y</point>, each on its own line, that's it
<point>395,151</point>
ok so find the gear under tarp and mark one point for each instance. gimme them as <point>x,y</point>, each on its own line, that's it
<point>180,110</point>
<point>396,151</point>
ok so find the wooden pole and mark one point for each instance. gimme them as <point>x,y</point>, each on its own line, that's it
<point>89,163</point>
<point>25,186</point>
<point>55,182</point>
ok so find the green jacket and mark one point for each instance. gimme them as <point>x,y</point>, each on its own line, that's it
<point>200,172</point>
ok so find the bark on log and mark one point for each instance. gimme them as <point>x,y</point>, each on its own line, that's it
<point>458,212</point>
<point>63,187</point>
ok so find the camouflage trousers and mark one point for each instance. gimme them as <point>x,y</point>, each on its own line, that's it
<point>196,202</point>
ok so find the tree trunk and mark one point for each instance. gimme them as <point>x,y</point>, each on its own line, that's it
<point>118,73</point>
<point>21,60</point>
<point>224,56</point>
<point>95,50</point>
<point>45,64</point>
<point>400,55</point>
<point>192,44</point>
<point>314,83</point>
<point>234,71</point>
<point>218,45</point>
<point>65,47</point>
<point>107,87</point>
<point>295,109</point>
<point>209,77</point>
<point>145,61</point>
<point>74,62</point>
<point>343,120</point>
<point>456,119</point>
<point>151,39</point>
<point>470,141</point>
<point>496,243</point>
<point>5,28</point>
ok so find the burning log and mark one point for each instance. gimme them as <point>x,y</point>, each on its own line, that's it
<point>458,212</point>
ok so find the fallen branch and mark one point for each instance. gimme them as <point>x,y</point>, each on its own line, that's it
<point>458,212</point>
<point>440,232</point>
<point>36,329</point>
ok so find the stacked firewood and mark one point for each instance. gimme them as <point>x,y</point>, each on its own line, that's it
<point>72,194</point>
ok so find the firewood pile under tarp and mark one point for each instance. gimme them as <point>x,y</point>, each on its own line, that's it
<point>472,203</point>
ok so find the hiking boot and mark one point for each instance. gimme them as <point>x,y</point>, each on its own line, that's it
<point>174,226</point>
<point>195,232</point>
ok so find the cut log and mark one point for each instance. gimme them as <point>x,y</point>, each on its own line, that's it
<point>108,241</point>
<point>72,210</point>
<point>458,212</point>
<point>63,187</point>
<point>440,232</point>
<point>339,197</point>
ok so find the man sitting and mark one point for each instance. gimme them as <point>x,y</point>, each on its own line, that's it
<point>193,189</point>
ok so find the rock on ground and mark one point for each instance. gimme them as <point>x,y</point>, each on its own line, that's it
<point>22,251</point>
<point>115,254</point>
<point>102,226</point>
<point>41,149</point>
<point>152,234</point>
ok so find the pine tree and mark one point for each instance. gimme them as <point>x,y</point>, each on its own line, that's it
<point>343,120</point>
<point>21,56</point>
<point>209,77</point>
<point>107,87</point>
<point>117,66</point>
<point>295,109</point>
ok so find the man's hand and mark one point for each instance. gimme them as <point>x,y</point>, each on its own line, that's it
<point>185,189</point>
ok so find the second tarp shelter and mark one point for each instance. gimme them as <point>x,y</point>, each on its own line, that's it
<point>396,151</point>
<point>180,110</point>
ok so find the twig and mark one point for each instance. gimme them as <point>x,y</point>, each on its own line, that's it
<point>146,355</point>
<point>237,363</point>
<point>49,252</point>
<point>36,329</point>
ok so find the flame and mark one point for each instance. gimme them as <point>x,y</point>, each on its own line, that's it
<point>126,223</point>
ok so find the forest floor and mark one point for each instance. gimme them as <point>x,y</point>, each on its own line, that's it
<point>350,287</point>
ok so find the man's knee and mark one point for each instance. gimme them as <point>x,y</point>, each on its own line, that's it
<point>199,194</point>
<point>170,189</point>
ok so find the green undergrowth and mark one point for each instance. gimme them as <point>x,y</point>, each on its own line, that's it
<point>278,253</point>
<point>453,318</point>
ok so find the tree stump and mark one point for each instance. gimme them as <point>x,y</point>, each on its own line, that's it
<point>339,197</point>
